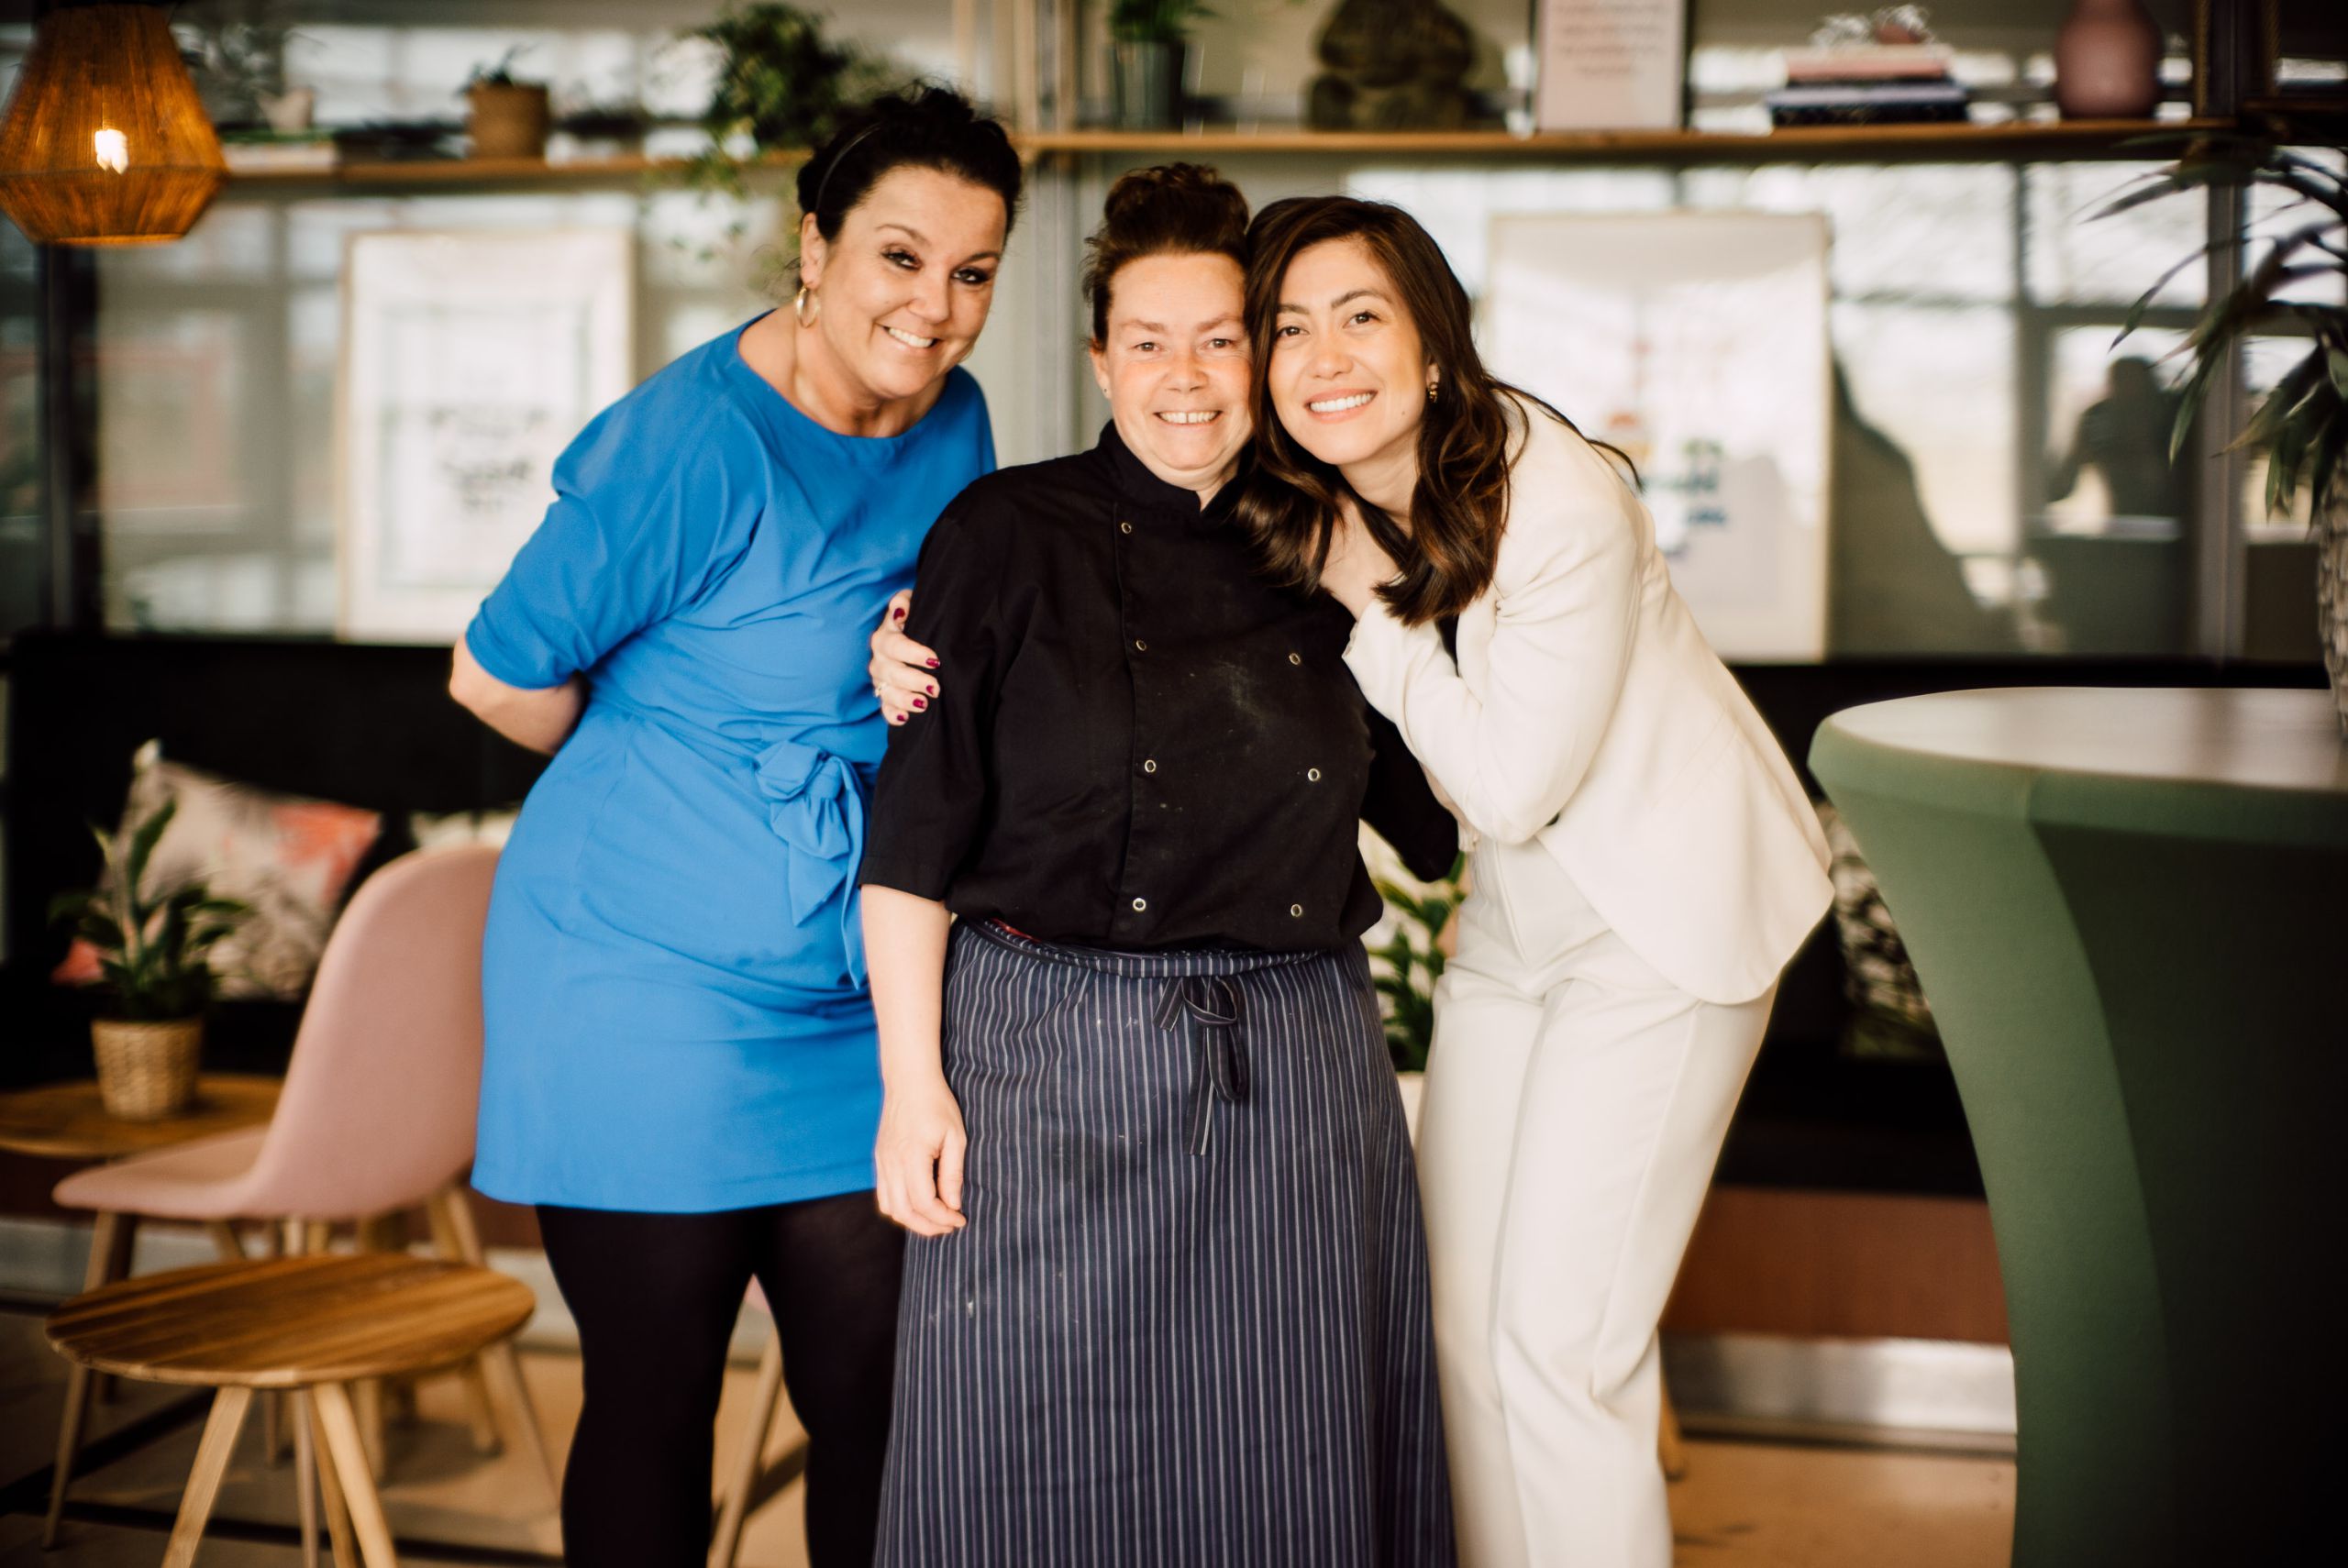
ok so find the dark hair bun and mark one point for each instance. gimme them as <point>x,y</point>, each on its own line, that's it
<point>922,126</point>
<point>1173,209</point>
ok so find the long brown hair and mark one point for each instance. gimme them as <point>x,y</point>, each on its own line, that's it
<point>1460,503</point>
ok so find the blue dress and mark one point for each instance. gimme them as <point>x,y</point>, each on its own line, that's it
<point>674,980</point>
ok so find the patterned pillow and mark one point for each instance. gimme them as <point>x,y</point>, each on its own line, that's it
<point>288,856</point>
<point>1878,977</point>
<point>436,830</point>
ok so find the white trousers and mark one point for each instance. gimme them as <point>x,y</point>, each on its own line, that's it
<point>1574,1106</point>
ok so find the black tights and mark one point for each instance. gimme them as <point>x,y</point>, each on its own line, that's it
<point>655,1296</point>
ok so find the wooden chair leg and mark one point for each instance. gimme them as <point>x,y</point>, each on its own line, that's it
<point>453,1208</point>
<point>105,1251</point>
<point>223,1237</point>
<point>480,1412</point>
<point>341,1424</point>
<point>212,1455</point>
<point>305,1479</point>
<point>69,1447</point>
<point>367,1403</point>
<point>1669,1450</point>
<point>501,1369</point>
<point>456,1236</point>
<point>346,1551</point>
<point>742,1478</point>
<point>115,1264</point>
<point>449,1238</point>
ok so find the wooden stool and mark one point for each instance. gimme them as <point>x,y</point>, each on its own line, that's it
<point>314,1325</point>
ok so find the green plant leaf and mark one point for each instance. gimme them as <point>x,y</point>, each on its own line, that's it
<point>143,842</point>
<point>2275,408</point>
<point>2323,471</point>
<point>2135,315</point>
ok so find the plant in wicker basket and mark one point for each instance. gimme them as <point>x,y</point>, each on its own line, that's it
<point>155,971</point>
<point>2301,426</point>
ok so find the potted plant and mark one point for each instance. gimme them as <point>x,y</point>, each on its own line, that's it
<point>1405,969</point>
<point>1148,47</point>
<point>505,119</point>
<point>238,58</point>
<point>782,86</point>
<point>155,972</point>
<point>2301,426</point>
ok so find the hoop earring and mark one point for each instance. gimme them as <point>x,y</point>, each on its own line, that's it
<point>799,303</point>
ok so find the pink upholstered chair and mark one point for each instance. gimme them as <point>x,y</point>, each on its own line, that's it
<point>376,1117</point>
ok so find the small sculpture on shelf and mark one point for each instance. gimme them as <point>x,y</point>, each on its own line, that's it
<point>1393,65</point>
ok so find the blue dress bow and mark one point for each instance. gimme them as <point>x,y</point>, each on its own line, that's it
<point>815,803</point>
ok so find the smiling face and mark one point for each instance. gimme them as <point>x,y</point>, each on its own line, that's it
<point>1174,366</point>
<point>1348,375</point>
<point>903,290</point>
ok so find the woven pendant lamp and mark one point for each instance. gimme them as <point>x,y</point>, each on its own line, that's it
<point>105,142</point>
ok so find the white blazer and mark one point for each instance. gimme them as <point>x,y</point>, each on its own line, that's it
<point>1587,711</point>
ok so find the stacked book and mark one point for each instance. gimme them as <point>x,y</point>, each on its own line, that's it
<point>279,152</point>
<point>1874,83</point>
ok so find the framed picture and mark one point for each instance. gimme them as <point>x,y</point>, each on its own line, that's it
<point>1610,64</point>
<point>469,362</point>
<point>1696,343</point>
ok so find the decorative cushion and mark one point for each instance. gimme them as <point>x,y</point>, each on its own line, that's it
<point>288,856</point>
<point>1877,979</point>
<point>432,830</point>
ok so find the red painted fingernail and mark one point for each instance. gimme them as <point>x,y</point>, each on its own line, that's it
<point>921,701</point>
<point>933,664</point>
<point>932,691</point>
<point>900,614</point>
<point>897,718</point>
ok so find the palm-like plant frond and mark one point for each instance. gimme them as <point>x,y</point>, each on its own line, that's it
<point>2301,425</point>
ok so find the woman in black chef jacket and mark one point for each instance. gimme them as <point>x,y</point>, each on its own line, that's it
<point>1166,1300</point>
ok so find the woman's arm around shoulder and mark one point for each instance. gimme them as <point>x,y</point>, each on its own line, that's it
<point>1566,597</point>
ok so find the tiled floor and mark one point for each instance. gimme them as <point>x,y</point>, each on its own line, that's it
<point>1743,1503</point>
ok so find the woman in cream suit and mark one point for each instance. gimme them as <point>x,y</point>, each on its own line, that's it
<point>1644,861</point>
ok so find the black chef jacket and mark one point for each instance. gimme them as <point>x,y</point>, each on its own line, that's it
<point>1139,743</point>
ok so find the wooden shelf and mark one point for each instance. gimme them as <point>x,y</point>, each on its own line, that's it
<point>2019,139</point>
<point>2058,139</point>
<point>467,173</point>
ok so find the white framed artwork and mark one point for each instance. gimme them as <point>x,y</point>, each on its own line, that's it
<point>1610,64</point>
<point>1696,342</point>
<point>469,360</point>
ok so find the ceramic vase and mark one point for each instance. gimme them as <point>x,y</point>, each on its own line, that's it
<point>2108,61</point>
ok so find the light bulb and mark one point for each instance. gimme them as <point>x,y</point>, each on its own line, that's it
<point>114,149</point>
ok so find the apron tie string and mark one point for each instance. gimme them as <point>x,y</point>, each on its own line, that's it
<point>1212,1004</point>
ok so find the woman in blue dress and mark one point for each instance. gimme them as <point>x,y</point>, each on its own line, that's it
<point>680,1071</point>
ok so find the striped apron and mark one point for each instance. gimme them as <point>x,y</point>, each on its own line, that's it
<point>1187,1324</point>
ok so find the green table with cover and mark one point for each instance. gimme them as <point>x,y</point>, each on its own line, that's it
<point>2126,906</point>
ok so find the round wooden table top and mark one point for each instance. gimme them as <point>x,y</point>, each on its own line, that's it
<point>291,1322</point>
<point>68,1121</point>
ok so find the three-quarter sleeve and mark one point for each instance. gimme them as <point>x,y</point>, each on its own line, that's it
<point>632,537</point>
<point>1402,807</point>
<point>929,802</point>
